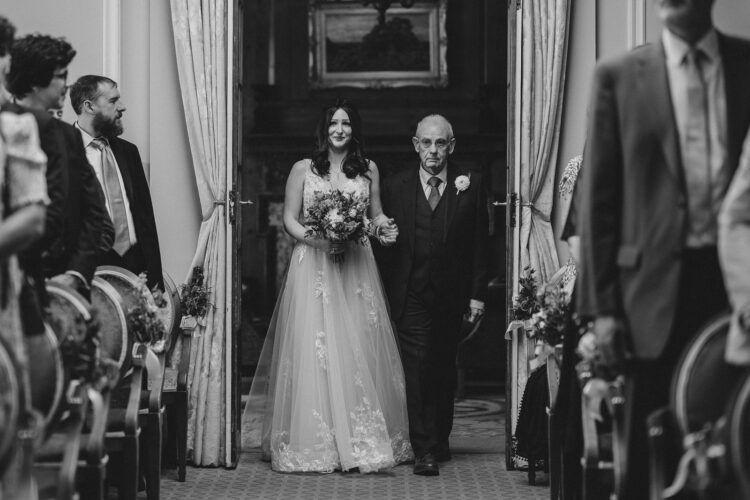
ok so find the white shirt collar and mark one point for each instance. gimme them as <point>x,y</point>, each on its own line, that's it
<point>676,48</point>
<point>84,135</point>
<point>424,175</point>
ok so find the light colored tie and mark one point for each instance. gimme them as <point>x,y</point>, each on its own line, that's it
<point>697,153</point>
<point>433,197</point>
<point>114,195</point>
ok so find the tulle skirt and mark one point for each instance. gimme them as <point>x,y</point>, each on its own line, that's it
<point>329,389</point>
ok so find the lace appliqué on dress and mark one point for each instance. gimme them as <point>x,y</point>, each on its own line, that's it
<point>323,457</point>
<point>371,447</point>
<point>321,288</point>
<point>321,351</point>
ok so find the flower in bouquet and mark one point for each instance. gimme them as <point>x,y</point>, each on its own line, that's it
<point>337,217</point>
<point>525,303</point>
<point>550,321</point>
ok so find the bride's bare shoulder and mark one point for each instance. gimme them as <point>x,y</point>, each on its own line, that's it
<point>301,167</point>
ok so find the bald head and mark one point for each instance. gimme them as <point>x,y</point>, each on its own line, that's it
<point>433,143</point>
<point>436,120</point>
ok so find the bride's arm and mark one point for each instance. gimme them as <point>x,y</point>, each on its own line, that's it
<point>386,232</point>
<point>293,206</point>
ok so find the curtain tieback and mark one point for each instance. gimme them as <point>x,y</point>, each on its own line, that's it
<point>535,211</point>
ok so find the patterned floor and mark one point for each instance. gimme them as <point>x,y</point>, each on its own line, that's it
<point>476,472</point>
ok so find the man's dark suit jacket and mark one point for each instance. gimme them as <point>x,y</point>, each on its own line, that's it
<point>462,271</point>
<point>139,195</point>
<point>633,212</point>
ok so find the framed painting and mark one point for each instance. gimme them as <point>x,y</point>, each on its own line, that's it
<point>349,47</point>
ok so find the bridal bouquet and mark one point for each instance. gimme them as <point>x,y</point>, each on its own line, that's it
<point>337,217</point>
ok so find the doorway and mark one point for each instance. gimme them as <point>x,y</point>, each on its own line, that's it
<point>281,104</point>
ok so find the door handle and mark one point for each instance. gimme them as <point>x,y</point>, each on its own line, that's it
<point>246,202</point>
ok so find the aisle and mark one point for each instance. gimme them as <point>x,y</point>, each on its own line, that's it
<point>477,471</point>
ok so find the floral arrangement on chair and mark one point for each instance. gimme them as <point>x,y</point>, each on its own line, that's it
<point>525,304</point>
<point>195,297</point>
<point>550,320</point>
<point>143,317</point>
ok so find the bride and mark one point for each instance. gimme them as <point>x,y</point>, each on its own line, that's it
<point>328,392</point>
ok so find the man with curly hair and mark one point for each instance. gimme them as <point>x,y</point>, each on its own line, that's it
<point>78,228</point>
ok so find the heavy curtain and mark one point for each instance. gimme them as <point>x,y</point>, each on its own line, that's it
<point>201,47</point>
<point>544,57</point>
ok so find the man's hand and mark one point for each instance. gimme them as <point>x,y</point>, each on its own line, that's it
<point>610,340</point>
<point>475,313</point>
<point>387,233</point>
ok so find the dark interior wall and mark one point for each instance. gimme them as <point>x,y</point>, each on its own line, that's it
<point>279,121</point>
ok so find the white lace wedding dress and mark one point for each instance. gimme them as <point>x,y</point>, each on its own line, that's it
<point>329,391</point>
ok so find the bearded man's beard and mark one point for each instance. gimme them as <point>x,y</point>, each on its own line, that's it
<point>107,128</point>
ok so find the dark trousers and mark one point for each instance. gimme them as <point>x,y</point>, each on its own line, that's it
<point>428,339</point>
<point>701,296</point>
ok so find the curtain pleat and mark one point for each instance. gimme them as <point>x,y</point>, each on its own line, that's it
<point>201,46</point>
<point>544,58</point>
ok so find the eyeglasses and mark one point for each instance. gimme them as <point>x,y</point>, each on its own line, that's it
<point>440,144</point>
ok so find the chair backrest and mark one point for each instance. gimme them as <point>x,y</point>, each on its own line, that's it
<point>67,312</point>
<point>48,377</point>
<point>703,382</point>
<point>172,313</point>
<point>115,342</point>
<point>738,420</point>
<point>10,405</point>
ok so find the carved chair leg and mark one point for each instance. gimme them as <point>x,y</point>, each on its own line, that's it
<point>152,460</point>
<point>128,488</point>
<point>181,414</point>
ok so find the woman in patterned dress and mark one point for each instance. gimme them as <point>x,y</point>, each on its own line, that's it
<point>329,390</point>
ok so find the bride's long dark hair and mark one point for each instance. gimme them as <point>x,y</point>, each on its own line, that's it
<point>354,163</point>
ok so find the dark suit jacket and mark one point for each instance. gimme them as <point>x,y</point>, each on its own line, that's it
<point>463,269</point>
<point>633,213</point>
<point>87,230</point>
<point>139,195</point>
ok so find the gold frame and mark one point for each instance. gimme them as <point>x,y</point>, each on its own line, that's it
<point>437,76</point>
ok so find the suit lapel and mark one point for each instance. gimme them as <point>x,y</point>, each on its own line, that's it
<point>656,94</point>
<point>451,198</point>
<point>409,203</point>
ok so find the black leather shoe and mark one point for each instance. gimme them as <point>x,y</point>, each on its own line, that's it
<point>426,465</point>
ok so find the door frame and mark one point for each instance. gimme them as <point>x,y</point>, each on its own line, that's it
<point>233,221</point>
<point>512,213</point>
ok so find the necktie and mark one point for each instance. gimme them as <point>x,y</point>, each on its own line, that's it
<point>434,196</point>
<point>114,195</point>
<point>697,152</point>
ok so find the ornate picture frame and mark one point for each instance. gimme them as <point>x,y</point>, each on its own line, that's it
<point>350,48</point>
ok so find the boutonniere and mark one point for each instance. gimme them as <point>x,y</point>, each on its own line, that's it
<point>462,183</point>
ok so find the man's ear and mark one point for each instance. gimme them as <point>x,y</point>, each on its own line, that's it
<point>415,141</point>
<point>451,146</point>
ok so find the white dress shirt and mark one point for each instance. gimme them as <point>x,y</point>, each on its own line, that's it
<point>712,69</point>
<point>94,155</point>
<point>425,176</point>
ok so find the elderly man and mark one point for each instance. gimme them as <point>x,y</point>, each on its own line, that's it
<point>666,127</point>
<point>437,270</point>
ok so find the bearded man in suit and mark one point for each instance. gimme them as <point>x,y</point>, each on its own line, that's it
<point>436,271</point>
<point>667,122</point>
<point>117,163</point>
<point>77,229</point>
